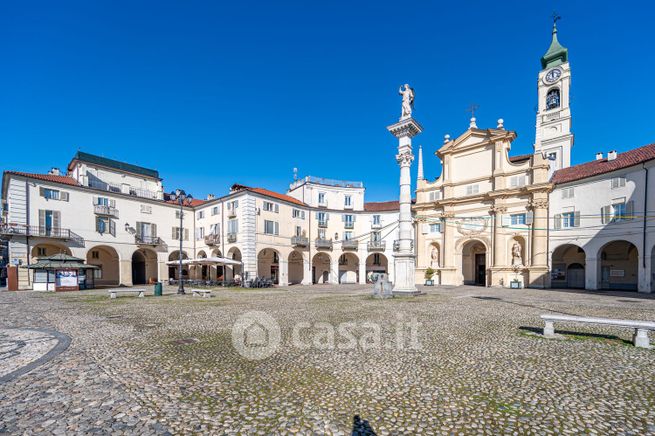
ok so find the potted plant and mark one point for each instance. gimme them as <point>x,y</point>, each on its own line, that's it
<point>429,272</point>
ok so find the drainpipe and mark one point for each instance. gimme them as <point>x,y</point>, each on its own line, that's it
<point>643,255</point>
<point>27,233</point>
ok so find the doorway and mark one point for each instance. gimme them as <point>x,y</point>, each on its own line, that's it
<point>480,269</point>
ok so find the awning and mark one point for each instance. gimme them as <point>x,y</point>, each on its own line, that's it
<point>205,261</point>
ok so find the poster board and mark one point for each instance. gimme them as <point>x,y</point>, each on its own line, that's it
<point>66,280</point>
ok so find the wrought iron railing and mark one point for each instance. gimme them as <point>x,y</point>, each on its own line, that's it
<point>376,245</point>
<point>322,223</point>
<point>101,209</point>
<point>231,237</point>
<point>9,229</point>
<point>213,239</point>
<point>348,225</point>
<point>299,241</point>
<point>148,240</point>
<point>323,243</point>
<point>349,244</point>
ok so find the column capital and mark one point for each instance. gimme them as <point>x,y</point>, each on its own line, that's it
<point>540,203</point>
<point>405,159</point>
<point>405,128</point>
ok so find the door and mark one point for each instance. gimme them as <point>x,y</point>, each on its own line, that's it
<point>480,269</point>
<point>605,277</point>
<point>275,274</point>
<point>48,222</point>
<point>575,276</point>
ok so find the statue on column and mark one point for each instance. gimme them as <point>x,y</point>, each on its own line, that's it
<point>516,254</point>
<point>408,101</point>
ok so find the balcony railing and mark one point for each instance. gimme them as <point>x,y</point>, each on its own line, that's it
<point>101,209</point>
<point>348,225</point>
<point>299,241</point>
<point>148,240</point>
<point>144,193</point>
<point>99,184</point>
<point>11,229</point>
<point>376,225</point>
<point>231,237</point>
<point>212,239</point>
<point>231,212</point>
<point>323,223</point>
<point>323,243</point>
<point>349,244</point>
<point>376,245</point>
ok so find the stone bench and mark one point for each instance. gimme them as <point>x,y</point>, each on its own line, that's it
<point>113,293</point>
<point>201,292</point>
<point>640,337</point>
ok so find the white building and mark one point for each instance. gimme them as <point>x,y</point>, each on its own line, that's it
<point>602,232</point>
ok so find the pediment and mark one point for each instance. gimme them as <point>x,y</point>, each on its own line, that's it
<point>473,138</point>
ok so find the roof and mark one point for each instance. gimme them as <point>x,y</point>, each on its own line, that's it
<point>123,166</point>
<point>267,193</point>
<point>47,177</point>
<point>382,206</point>
<point>556,54</point>
<point>61,261</point>
<point>597,167</point>
<point>520,158</point>
<point>194,202</point>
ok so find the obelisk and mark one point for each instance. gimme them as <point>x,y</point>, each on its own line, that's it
<point>404,257</point>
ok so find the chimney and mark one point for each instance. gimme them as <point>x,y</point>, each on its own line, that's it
<point>611,155</point>
<point>54,172</point>
<point>210,197</point>
<point>599,156</point>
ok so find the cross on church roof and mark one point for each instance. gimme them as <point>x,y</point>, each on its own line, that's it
<point>472,108</point>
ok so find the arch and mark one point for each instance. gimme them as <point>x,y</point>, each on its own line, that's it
<point>173,270</point>
<point>296,270</point>
<point>376,263</point>
<point>321,268</point>
<point>568,267</point>
<point>618,263</point>
<point>348,268</point>
<point>109,262</point>
<point>49,249</point>
<point>268,264</point>
<point>232,271</point>
<point>202,271</point>
<point>474,262</point>
<point>553,99</point>
<point>144,266</point>
<point>216,272</point>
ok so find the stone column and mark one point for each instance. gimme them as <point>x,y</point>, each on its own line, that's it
<point>125,272</point>
<point>538,270</point>
<point>362,268</point>
<point>284,272</point>
<point>405,259</point>
<point>591,273</point>
<point>334,269</point>
<point>306,269</point>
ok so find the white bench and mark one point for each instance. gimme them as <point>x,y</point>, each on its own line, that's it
<point>202,292</point>
<point>113,293</point>
<point>640,337</point>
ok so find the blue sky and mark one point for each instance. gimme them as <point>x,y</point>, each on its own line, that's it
<point>213,93</point>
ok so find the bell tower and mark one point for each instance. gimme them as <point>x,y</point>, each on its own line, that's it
<point>553,129</point>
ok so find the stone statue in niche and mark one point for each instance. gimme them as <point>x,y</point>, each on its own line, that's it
<point>516,254</point>
<point>434,257</point>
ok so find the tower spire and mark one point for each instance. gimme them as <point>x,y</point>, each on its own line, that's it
<point>556,54</point>
<point>419,175</point>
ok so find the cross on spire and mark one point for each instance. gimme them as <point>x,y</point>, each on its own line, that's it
<point>556,18</point>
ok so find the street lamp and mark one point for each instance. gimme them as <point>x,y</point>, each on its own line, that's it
<point>183,199</point>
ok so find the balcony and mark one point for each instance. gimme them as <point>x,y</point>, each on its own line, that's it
<point>323,223</point>
<point>299,241</point>
<point>148,240</point>
<point>8,230</point>
<point>376,245</point>
<point>231,237</point>
<point>349,244</point>
<point>376,225</point>
<point>348,225</point>
<point>323,243</point>
<point>101,209</point>
<point>212,239</point>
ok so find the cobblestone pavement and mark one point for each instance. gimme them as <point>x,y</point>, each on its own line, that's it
<point>167,365</point>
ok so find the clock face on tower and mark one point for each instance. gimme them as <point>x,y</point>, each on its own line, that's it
<point>552,75</point>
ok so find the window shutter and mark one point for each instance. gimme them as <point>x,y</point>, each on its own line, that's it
<point>327,216</point>
<point>604,214</point>
<point>318,215</point>
<point>186,234</point>
<point>41,219</point>
<point>139,227</point>
<point>277,228</point>
<point>557,221</point>
<point>302,214</point>
<point>174,235</point>
<point>529,218</point>
<point>630,210</point>
<point>354,218</point>
<point>64,196</point>
<point>112,203</point>
<point>153,230</point>
<point>95,201</point>
<point>56,219</point>
<point>576,219</point>
<point>277,208</point>
<point>41,191</point>
<point>98,224</point>
<point>343,218</point>
<point>621,182</point>
<point>425,228</point>
<point>506,221</point>
<point>112,227</point>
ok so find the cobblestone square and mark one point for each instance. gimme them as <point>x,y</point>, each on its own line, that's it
<point>159,365</point>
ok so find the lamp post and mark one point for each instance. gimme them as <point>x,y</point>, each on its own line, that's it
<point>183,199</point>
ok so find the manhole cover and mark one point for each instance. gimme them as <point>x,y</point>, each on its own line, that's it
<point>185,341</point>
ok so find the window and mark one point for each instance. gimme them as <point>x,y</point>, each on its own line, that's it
<point>105,225</point>
<point>215,229</point>
<point>568,193</point>
<point>349,221</point>
<point>568,220</point>
<point>200,233</point>
<point>146,231</point>
<point>176,234</point>
<point>376,259</point>
<point>97,273</point>
<point>347,235</point>
<point>617,182</point>
<point>434,195</point>
<point>435,228</point>
<point>233,226</point>
<point>618,211</point>
<point>376,220</point>
<point>271,227</point>
<point>201,214</point>
<point>214,210</point>
<point>517,219</point>
<point>552,99</point>
<point>321,233</point>
<point>322,218</point>
<point>146,208</point>
<point>376,236</point>
<point>40,251</point>
<point>53,194</point>
<point>517,181</point>
<point>298,231</point>
<point>271,207</point>
<point>348,201</point>
<point>102,201</point>
<point>177,214</point>
<point>233,205</point>
<point>95,254</point>
<point>297,213</point>
<point>321,198</point>
<point>472,189</point>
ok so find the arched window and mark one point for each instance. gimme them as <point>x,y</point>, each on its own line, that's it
<point>552,99</point>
